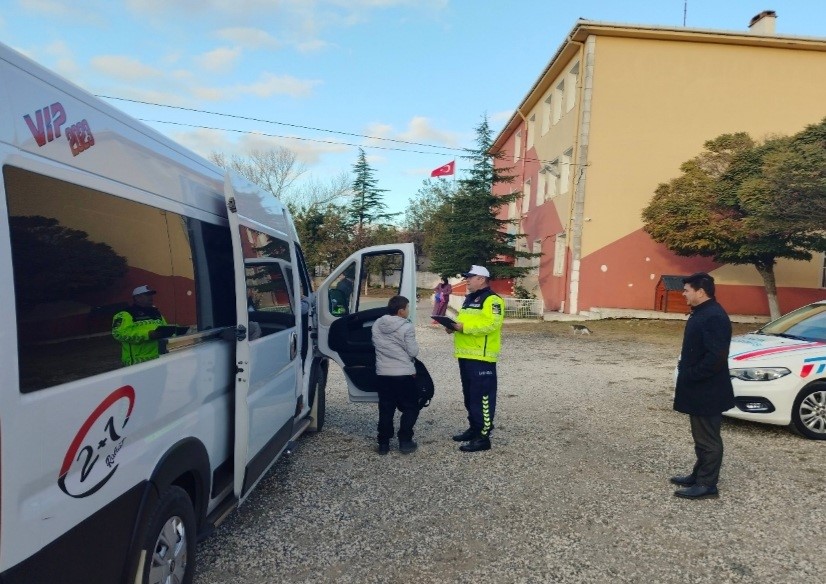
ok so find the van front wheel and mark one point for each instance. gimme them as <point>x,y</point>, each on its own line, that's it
<point>169,547</point>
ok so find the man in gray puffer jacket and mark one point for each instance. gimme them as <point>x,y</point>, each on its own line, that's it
<point>394,337</point>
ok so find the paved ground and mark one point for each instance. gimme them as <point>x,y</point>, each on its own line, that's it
<point>575,489</point>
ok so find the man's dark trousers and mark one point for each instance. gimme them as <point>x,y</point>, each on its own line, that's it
<point>397,392</point>
<point>479,390</point>
<point>708,444</point>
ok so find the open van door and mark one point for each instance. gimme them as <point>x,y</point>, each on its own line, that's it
<point>351,299</point>
<point>268,313</point>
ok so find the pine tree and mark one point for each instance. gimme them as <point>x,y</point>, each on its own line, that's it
<point>367,207</point>
<point>473,233</point>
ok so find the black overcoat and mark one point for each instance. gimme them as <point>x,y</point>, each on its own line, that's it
<point>703,382</point>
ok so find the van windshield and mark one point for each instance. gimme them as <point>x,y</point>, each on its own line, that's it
<point>808,323</point>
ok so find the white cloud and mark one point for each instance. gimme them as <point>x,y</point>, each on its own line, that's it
<point>62,58</point>
<point>419,130</point>
<point>205,141</point>
<point>501,118</point>
<point>125,68</point>
<point>247,37</point>
<point>220,60</point>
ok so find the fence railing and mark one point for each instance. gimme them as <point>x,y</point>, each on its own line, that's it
<point>523,308</point>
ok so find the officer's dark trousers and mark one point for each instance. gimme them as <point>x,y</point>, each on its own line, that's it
<point>397,392</point>
<point>479,390</point>
<point>708,444</point>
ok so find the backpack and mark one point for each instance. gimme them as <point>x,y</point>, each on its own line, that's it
<point>424,385</point>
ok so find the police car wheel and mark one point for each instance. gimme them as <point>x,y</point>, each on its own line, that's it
<point>169,548</point>
<point>809,412</point>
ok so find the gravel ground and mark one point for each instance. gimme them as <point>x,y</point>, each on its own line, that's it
<point>575,488</point>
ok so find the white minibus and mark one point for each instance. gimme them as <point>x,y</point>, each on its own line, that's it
<point>114,458</point>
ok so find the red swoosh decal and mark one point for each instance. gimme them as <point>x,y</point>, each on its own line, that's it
<point>774,350</point>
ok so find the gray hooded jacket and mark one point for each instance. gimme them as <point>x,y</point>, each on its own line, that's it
<point>395,340</point>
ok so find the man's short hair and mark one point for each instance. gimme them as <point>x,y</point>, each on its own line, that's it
<point>701,281</point>
<point>395,304</point>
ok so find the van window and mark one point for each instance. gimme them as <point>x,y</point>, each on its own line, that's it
<point>77,256</point>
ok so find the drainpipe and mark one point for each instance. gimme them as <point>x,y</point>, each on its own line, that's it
<point>577,209</point>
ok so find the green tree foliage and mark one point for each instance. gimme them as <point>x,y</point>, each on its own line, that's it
<point>54,262</point>
<point>325,235</point>
<point>740,202</point>
<point>472,232</point>
<point>367,206</point>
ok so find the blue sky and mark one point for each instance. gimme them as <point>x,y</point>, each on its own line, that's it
<point>421,71</point>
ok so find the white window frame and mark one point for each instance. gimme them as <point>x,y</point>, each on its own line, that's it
<point>531,132</point>
<point>571,82</point>
<point>541,187</point>
<point>565,171</point>
<point>560,249</point>
<point>559,98</point>
<point>526,196</point>
<point>517,146</point>
<point>547,114</point>
<point>537,248</point>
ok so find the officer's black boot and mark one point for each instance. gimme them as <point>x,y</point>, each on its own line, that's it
<point>468,434</point>
<point>477,444</point>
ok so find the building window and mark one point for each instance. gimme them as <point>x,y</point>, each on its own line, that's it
<point>531,131</point>
<point>537,248</point>
<point>526,196</point>
<point>571,81</point>
<point>541,187</point>
<point>559,254</point>
<point>565,171</point>
<point>554,171</point>
<point>547,114</point>
<point>559,98</point>
<point>517,146</point>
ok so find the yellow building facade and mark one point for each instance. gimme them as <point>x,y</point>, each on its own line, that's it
<point>616,112</point>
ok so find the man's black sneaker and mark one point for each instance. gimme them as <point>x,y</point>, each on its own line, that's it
<point>465,436</point>
<point>407,447</point>
<point>384,448</point>
<point>476,445</point>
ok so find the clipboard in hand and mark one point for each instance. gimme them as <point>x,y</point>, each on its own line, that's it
<point>445,321</point>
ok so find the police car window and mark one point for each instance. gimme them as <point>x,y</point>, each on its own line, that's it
<point>78,255</point>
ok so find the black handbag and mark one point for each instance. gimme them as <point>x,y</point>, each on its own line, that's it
<point>424,385</point>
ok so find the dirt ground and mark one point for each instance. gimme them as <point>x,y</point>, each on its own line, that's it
<point>575,488</point>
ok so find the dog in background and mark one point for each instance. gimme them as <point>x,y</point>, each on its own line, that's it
<point>580,329</point>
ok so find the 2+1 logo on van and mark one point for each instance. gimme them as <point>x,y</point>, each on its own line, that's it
<point>91,458</point>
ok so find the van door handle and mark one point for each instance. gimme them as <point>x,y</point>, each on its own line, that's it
<point>293,345</point>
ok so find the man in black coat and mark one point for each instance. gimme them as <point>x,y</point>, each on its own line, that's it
<point>704,388</point>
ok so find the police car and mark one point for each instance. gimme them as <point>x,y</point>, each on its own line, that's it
<point>779,372</point>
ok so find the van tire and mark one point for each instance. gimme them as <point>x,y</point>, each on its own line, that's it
<point>169,544</point>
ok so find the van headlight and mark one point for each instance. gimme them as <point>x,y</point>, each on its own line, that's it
<point>759,373</point>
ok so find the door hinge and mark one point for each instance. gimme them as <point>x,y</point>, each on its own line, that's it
<point>240,332</point>
<point>231,204</point>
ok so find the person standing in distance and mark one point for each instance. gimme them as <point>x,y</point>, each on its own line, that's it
<point>476,341</point>
<point>704,389</point>
<point>394,338</point>
<point>135,327</point>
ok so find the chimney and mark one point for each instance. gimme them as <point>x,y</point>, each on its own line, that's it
<point>763,23</point>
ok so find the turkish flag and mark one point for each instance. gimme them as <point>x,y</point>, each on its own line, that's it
<point>445,170</point>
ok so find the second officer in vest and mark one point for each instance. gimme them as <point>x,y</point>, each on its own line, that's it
<point>476,343</point>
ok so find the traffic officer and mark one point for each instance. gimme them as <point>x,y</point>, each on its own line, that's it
<point>135,328</point>
<point>476,343</point>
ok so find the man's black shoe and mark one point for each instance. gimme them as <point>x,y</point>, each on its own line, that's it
<point>476,445</point>
<point>468,434</point>
<point>384,449</point>
<point>684,481</point>
<point>697,492</point>
<point>408,447</point>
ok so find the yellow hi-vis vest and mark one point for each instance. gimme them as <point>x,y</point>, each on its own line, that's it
<point>481,316</point>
